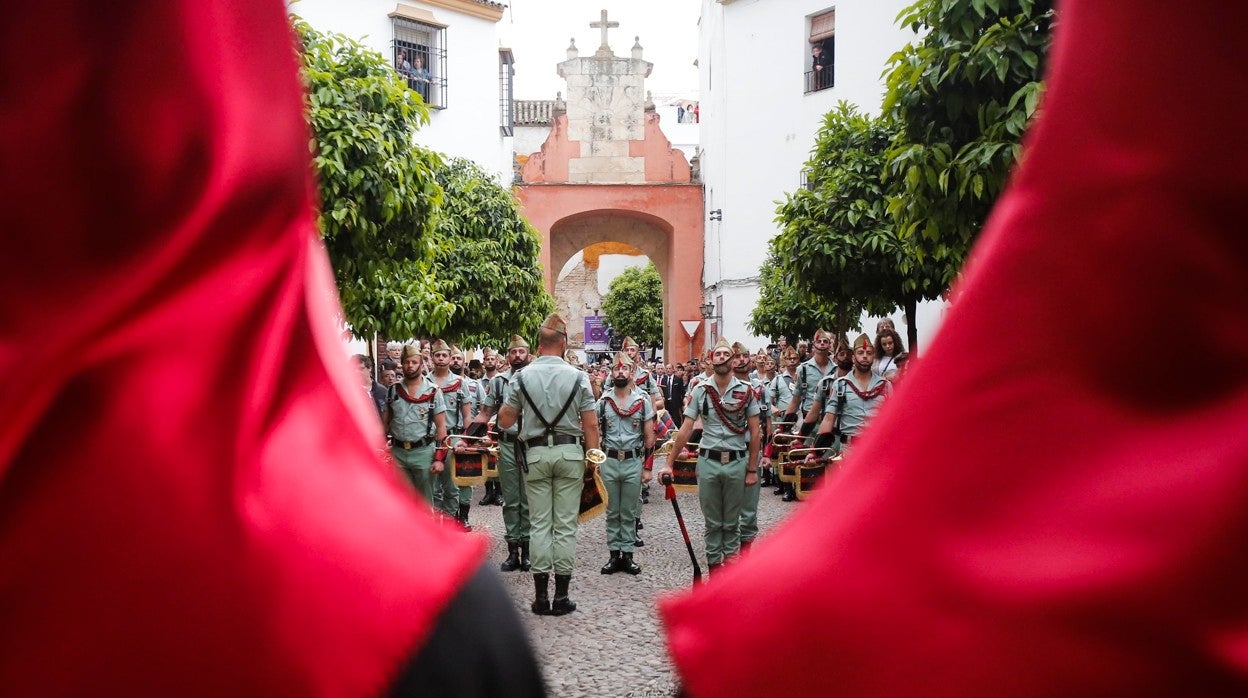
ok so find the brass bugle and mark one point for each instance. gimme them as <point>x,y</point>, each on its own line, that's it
<point>596,456</point>
<point>665,448</point>
<point>463,437</point>
<point>781,437</point>
<point>799,454</point>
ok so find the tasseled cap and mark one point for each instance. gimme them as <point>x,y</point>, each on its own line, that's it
<point>409,350</point>
<point>517,342</point>
<point>722,343</point>
<point>821,334</point>
<point>621,359</point>
<point>572,358</point>
<point>439,346</point>
<point>862,341</point>
<point>456,351</point>
<point>630,344</point>
<point>556,323</point>
<point>739,349</point>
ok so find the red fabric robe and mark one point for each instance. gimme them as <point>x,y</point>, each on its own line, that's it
<point>191,500</point>
<point>1056,500</point>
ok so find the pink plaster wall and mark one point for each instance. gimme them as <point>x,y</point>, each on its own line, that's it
<point>551,164</point>
<point>663,162</point>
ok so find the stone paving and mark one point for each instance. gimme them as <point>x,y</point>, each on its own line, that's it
<point>612,644</point>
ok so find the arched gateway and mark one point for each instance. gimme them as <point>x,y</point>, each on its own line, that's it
<point>606,173</point>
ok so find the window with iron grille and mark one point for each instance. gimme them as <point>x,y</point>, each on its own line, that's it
<point>420,57</point>
<point>821,73</point>
<point>506,96</point>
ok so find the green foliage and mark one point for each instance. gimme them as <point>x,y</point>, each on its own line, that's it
<point>785,308</point>
<point>634,304</point>
<point>487,260</point>
<point>962,95</point>
<point>377,189</point>
<point>837,238</point>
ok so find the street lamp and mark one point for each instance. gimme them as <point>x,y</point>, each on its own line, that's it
<point>708,312</point>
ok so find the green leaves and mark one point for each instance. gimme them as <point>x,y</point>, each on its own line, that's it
<point>634,304</point>
<point>419,246</point>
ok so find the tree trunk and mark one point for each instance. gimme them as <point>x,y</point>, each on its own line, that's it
<point>912,332</point>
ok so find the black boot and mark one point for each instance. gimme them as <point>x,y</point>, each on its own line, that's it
<point>640,525</point>
<point>462,517</point>
<point>613,565</point>
<point>541,599</point>
<point>627,564</point>
<point>790,493</point>
<point>488,499</point>
<point>766,481</point>
<point>512,563</point>
<point>637,541</point>
<point>524,556</point>
<point>562,604</point>
<point>498,493</point>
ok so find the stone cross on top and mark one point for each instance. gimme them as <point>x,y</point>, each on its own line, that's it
<point>604,25</point>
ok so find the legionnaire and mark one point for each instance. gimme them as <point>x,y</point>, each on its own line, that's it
<point>809,373</point>
<point>779,394</point>
<point>415,420</point>
<point>447,498</point>
<point>490,362</point>
<point>852,399</point>
<point>727,453</point>
<point>626,423</point>
<point>553,407</point>
<point>516,522</point>
<point>741,365</point>
<point>642,378</point>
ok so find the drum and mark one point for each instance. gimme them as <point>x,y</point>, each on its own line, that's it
<point>491,465</point>
<point>468,468</point>
<point>593,496</point>
<point>810,476</point>
<point>685,474</point>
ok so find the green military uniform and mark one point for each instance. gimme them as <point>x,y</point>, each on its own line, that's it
<point>621,423</point>
<point>516,523</point>
<point>780,391</point>
<point>809,374</point>
<point>749,506</point>
<point>722,461</point>
<point>854,405</point>
<point>446,495</point>
<point>412,431</point>
<point>554,455</point>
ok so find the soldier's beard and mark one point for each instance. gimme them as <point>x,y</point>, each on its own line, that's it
<point>845,365</point>
<point>619,382</point>
<point>722,369</point>
<point>457,370</point>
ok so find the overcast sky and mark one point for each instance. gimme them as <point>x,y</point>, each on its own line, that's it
<point>538,31</point>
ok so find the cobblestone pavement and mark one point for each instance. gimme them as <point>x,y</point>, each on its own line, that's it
<point>612,644</point>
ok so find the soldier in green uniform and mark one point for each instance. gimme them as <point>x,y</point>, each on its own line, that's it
<point>741,364</point>
<point>516,522</point>
<point>852,399</point>
<point>447,497</point>
<point>414,418</point>
<point>553,407</point>
<point>490,360</point>
<point>727,453</point>
<point>642,378</point>
<point>626,423</point>
<point>809,373</point>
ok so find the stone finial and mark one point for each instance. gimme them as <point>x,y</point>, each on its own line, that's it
<point>637,48</point>
<point>560,105</point>
<point>649,106</point>
<point>572,52</point>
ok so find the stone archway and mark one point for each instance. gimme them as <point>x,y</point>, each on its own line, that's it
<point>663,221</point>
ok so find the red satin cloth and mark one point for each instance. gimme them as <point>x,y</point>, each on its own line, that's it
<point>1055,502</point>
<point>191,500</point>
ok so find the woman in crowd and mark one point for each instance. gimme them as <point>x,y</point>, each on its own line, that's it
<point>890,354</point>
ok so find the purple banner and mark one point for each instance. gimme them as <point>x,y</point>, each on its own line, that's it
<point>595,333</point>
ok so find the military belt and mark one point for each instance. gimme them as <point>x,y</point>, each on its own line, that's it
<point>552,440</point>
<point>409,445</point>
<point>721,456</point>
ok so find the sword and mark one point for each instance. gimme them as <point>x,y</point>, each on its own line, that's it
<point>670,493</point>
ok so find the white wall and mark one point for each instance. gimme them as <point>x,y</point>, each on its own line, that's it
<point>758,126</point>
<point>469,126</point>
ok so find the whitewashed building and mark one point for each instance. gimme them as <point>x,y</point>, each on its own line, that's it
<point>761,106</point>
<point>449,51</point>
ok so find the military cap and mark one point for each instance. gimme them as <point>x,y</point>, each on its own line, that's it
<point>556,323</point>
<point>517,342</point>
<point>572,358</point>
<point>409,350</point>
<point>438,346</point>
<point>456,351</point>
<point>722,343</point>
<point>820,334</point>
<point>629,343</point>
<point>621,359</point>
<point>739,348</point>
<point>862,341</point>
